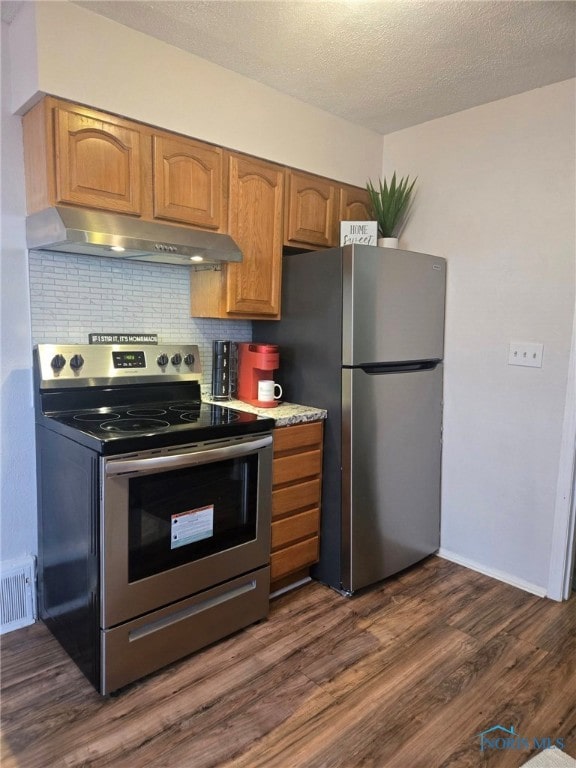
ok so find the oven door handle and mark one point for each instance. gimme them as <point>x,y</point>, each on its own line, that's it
<point>161,463</point>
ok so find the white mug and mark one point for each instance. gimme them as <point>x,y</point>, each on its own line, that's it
<point>267,390</point>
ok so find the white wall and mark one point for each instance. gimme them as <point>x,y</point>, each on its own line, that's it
<point>17,468</point>
<point>107,65</point>
<point>496,197</point>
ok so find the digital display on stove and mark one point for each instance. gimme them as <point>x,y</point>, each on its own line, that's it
<point>129,359</point>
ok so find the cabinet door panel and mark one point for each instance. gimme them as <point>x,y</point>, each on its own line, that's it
<point>287,469</point>
<point>291,498</point>
<point>297,436</point>
<point>354,204</point>
<point>294,528</point>
<point>255,223</point>
<point>188,183</point>
<point>311,210</point>
<point>293,558</point>
<point>98,162</point>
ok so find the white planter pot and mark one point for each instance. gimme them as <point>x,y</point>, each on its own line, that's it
<point>388,242</point>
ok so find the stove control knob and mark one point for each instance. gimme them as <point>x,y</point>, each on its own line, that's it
<point>162,360</point>
<point>58,362</point>
<point>76,362</point>
<point>176,359</point>
<point>189,359</point>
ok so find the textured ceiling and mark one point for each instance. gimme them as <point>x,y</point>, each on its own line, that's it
<point>9,9</point>
<point>383,64</point>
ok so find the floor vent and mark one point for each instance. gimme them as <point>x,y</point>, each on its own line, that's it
<point>17,594</point>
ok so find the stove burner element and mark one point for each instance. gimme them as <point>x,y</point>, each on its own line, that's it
<point>134,425</point>
<point>190,416</point>
<point>96,416</point>
<point>146,412</point>
<point>185,406</point>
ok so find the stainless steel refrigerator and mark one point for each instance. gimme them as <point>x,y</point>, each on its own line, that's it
<point>362,335</point>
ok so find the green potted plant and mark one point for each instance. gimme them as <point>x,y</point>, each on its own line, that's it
<point>390,204</point>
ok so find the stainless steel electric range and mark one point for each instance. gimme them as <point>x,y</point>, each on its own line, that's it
<point>154,508</point>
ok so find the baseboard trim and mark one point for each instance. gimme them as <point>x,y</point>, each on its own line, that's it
<point>507,578</point>
<point>290,587</point>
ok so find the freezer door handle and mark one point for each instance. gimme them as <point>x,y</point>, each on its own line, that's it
<point>403,367</point>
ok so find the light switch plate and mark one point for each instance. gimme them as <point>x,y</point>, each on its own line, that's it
<point>528,353</point>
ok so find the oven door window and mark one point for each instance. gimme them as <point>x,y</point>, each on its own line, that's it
<point>184,515</point>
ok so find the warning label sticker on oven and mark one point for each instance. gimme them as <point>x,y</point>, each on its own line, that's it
<point>195,525</point>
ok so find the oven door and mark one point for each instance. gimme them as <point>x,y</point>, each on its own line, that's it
<point>181,520</point>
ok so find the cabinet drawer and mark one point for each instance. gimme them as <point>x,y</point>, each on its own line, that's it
<point>297,436</point>
<point>287,469</point>
<point>294,528</point>
<point>294,497</point>
<point>293,558</point>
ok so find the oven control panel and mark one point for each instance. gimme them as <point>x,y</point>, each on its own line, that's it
<point>124,359</point>
<point>63,365</point>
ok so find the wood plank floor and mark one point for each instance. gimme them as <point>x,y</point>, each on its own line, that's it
<point>405,675</point>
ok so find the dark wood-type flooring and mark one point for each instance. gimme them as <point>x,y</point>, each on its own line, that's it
<point>405,675</point>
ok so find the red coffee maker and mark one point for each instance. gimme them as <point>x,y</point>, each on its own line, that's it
<point>255,363</point>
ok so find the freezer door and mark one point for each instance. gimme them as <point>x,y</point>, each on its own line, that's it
<point>391,454</point>
<point>393,305</point>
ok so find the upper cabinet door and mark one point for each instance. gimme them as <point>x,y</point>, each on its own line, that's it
<point>311,210</point>
<point>188,182</point>
<point>354,204</point>
<point>98,161</point>
<point>255,222</point>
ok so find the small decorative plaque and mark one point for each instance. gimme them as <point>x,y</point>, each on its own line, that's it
<point>361,232</point>
<point>123,338</point>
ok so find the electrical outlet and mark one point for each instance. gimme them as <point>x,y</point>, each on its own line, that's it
<point>527,353</point>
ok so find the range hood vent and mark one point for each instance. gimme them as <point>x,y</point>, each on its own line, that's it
<point>96,233</point>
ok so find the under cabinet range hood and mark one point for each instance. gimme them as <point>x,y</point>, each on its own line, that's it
<point>97,233</point>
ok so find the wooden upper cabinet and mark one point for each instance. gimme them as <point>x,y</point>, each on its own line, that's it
<point>97,161</point>
<point>354,204</point>
<point>255,222</point>
<point>78,156</point>
<point>311,210</point>
<point>250,289</point>
<point>188,182</point>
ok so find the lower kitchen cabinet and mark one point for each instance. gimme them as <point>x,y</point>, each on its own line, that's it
<point>296,495</point>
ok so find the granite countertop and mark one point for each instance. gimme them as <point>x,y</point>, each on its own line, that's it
<point>284,414</point>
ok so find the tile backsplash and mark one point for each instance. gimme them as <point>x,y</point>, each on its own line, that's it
<point>72,296</point>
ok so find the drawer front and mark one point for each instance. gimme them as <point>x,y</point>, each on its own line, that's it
<point>287,469</point>
<point>294,528</point>
<point>295,497</point>
<point>293,558</point>
<point>298,436</point>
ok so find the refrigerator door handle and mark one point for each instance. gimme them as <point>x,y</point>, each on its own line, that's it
<point>401,367</point>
